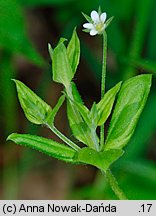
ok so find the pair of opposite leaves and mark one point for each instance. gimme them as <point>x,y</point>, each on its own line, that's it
<point>131,100</point>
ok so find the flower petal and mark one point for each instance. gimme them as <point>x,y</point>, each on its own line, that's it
<point>95,16</point>
<point>93,32</point>
<point>88,25</point>
<point>103,17</point>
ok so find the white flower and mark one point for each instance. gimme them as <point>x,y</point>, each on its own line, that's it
<point>97,24</point>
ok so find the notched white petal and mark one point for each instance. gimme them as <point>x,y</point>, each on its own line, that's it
<point>93,32</point>
<point>95,16</point>
<point>97,24</point>
<point>88,25</point>
<point>103,17</point>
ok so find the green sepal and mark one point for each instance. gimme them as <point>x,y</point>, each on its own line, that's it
<point>109,21</point>
<point>130,103</point>
<point>73,51</point>
<point>99,10</point>
<point>101,160</point>
<point>86,30</point>
<point>104,107</point>
<point>88,18</point>
<point>46,146</point>
<point>35,109</point>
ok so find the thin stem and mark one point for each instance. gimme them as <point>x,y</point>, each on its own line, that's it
<point>63,137</point>
<point>103,80</point>
<point>115,186</point>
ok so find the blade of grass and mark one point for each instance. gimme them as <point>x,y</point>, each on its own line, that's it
<point>143,10</point>
<point>142,64</point>
<point>151,45</point>
<point>8,101</point>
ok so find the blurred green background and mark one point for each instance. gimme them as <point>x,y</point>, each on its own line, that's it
<point>26,26</point>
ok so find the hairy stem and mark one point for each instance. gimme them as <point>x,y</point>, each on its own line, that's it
<point>115,186</point>
<point>63,137</point>
<point>103,80</point>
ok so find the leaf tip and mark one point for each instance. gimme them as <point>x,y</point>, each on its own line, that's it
<point>50,49</point>
<point>10,137</point>
<point>14,80</point>
<point>75,29</point>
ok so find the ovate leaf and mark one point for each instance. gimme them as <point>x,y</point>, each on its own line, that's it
<point>130,103</point>
<point>101,160</point>
<point>93,115</point>
<point>73,51</point>
<point>81,108</point>
<point>62,72</point>
<point>44,145</point>
<point>35,109</point>
<point>104,107</point>
<point>76,94</point>
<point>79,127</point>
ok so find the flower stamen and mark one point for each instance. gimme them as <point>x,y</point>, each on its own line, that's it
<point>96,23</point>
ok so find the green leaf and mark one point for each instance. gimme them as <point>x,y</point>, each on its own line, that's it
<point>82,109</point>
<point>130,103</point>
<point>104,107</point>
<point>77,124</point>
<point>76,94</point>
<point>52,114</point>
<point>35,109</point>
<point>90,117</point>
<point>62,40</point>
<point>101,160</point>
<point>93,115</point>
<point>79,127</point>
<point>44,145</point>
<point>62,72</point>
<point>73,51</point>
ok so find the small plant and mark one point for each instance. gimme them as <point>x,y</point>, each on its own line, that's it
<point>98,151</point>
